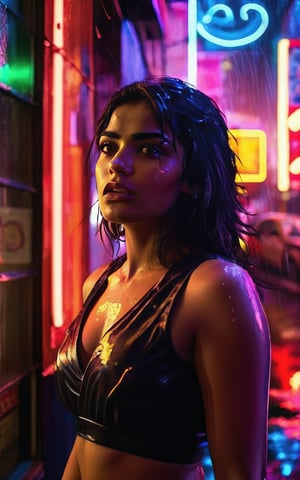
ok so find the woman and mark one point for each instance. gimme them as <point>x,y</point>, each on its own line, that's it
<point>171,348</point>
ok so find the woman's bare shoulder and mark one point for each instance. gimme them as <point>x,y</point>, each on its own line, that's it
<point>221,288</point>
<point>218,272</point>
<point>91,280</point>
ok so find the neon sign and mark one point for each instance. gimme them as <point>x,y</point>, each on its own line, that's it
<point>251,147</point>
<point>57,165</point>
<point>192,42</point>
<point>220,26</point>
<point>288,115</point>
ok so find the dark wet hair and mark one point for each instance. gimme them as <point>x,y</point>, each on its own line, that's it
<point>212,219</point>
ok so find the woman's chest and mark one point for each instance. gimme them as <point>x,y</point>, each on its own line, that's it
<point>114,304</point>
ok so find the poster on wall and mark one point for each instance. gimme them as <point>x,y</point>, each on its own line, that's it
<point>15,235</point>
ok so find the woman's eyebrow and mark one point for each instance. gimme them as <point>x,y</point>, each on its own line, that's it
<point>138,135</point>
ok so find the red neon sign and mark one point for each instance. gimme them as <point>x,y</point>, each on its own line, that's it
<point>288,115</point>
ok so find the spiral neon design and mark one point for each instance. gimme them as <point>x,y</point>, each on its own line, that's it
<point>228,18</point>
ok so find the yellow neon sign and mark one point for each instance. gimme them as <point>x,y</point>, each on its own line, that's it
<point>251,147</point>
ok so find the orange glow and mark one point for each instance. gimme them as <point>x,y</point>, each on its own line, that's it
<point>251,147</point>
<point>57,166</point>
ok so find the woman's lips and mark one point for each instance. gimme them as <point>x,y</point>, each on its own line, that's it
<point>116,190</point>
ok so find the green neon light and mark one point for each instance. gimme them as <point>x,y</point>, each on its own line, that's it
<point>19,77</point>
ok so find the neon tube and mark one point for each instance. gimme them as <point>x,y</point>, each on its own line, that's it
<point>57,166</point>
<point>192,42</point>
<point>243,37</point>
<point>283,144</point>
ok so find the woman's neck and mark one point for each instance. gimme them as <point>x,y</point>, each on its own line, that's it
<point>142,253</point>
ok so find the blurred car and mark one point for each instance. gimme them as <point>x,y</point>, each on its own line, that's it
<point>276,247</point>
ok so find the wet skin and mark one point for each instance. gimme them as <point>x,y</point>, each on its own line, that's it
<point>139,171</point>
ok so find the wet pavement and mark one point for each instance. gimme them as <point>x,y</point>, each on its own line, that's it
<point>283,309</point>
<point>283,438</point>
<point>284,435</point>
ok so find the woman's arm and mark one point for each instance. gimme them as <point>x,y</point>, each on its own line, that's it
<point>72,471</point>
<point>232,358</point>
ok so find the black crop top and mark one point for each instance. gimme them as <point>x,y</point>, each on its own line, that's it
<point>135,395</point>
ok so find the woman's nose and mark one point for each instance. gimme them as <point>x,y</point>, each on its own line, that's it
<point>121,162</point>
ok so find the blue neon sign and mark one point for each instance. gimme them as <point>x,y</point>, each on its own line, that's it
<point>221,26</point>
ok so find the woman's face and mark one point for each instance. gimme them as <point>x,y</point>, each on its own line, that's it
<point>138,171</point>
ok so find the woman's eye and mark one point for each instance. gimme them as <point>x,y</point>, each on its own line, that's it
<point>151,151</point>
<point>106,147</point>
